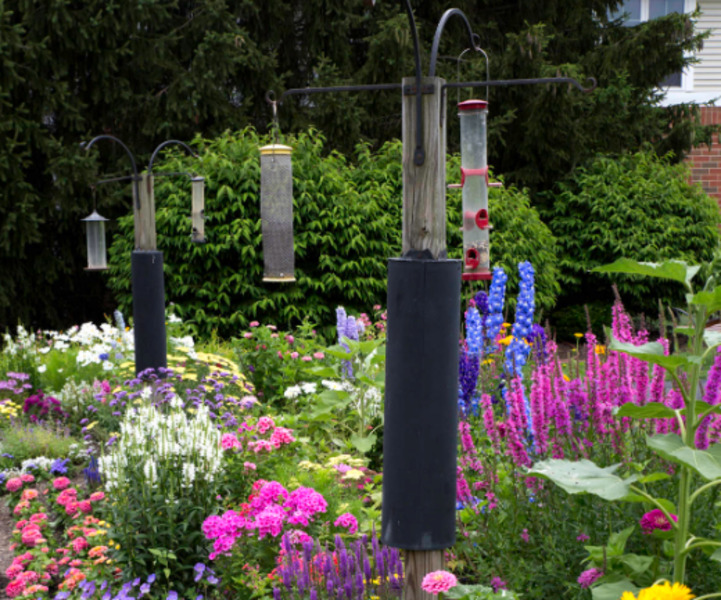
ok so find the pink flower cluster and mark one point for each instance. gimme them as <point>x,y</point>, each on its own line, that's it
<point>68,498</point>
<point>15,483</point>
<point>279,436</point>
<point>348,521</point>
<point>270,508</point>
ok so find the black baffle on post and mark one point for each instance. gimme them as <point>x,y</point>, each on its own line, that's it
<point>421,404</point>
<point>148,309</point>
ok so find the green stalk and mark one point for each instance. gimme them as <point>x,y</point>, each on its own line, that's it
<point>684,492</point>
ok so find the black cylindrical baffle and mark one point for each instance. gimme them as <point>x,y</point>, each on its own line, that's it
<point>421,404</point>
<point>148,309</point>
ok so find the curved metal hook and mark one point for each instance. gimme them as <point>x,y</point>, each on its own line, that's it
<point>136,177</point>
<point>166,143</point>
<point>458,66</point>
<point>439,31</point>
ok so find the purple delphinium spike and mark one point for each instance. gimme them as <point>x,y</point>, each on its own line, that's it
<point>276,593</point>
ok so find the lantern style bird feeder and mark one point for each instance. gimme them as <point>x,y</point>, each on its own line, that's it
<point>95,232</point>
<point>276,213</point>
<point>198,210</point>
<point>474,183</point>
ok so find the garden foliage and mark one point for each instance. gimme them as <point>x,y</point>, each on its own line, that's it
<point>639,206</point>
<point>347,224</point>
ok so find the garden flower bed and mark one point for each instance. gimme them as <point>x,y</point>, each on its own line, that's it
<point>252,468</point>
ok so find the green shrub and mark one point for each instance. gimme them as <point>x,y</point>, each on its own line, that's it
<point>32,441</point>
<point>638,206</point>
<point>347,224</point>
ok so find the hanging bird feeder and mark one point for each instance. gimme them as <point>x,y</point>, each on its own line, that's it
<point>198,210</point>
<point>474,183</point>
<point>95,232</point>
<point>276,213</point>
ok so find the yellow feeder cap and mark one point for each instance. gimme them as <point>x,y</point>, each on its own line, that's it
<point>276,149</point>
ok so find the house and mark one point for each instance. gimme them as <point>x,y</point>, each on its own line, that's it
<point>700,83</point>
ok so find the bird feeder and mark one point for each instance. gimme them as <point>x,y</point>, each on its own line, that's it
<point>95,232</point>
<point>474,183</point>
<point>198,210</point>
<point>276,213</point>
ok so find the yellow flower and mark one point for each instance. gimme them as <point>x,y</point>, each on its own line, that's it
<point>600,349</point>
<point>578,335</point>
<point>662,591</point>
<point>566,377</point>
<point>506,340</point>
<point>506,325</point>
<point>353,474</point>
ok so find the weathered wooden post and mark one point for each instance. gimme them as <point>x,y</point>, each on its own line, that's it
<point>419,454</point>
<point>148,284</point>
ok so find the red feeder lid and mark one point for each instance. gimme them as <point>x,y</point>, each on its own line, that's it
<point>473,105</point>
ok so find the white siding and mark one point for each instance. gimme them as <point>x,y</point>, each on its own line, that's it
<point>707,72</point>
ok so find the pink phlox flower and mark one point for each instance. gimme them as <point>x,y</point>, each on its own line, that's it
<point>348,521</point>
<point>437,582</point>
<point>249,466</point>
<point>280,436</point>
<point>264,424</point>
<point>298,536</point>
<point>589,576</point>
<point>270,521</point>
<point>582,537</point>
<point>229,441</point>
<point>270,493</point>
<point>261,446</point>
<point>306,500</point>
<point>655,519</point>
<point>524,536</point>
<point>212,527</point>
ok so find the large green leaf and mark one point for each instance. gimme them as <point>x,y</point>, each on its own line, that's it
<point>652,352</point>
<point>652,410</point>
<point>583,476</point>
<point>675,270</point>
<point>706,463</point>
<point>363,443</point>
<point>711,300</point>
<point>613,591</point>
<point>712,338</point>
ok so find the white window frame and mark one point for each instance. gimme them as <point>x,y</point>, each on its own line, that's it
<point>687,73</point>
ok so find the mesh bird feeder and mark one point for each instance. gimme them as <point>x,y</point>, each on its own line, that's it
<point>95,233</point>
<point>474,182</point>
<point>198,210</point>
<point>276,213</point>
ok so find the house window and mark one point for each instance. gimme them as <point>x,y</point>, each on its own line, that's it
<point>634,12</point>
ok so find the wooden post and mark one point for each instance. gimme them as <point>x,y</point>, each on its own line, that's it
<point>145,237</point>
<point>424,186</point>
<point>424,228</point>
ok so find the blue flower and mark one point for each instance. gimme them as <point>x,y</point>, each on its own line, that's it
<point>104,356</point>
<point>59,466</point>
<point>172,595</point>
<point>151,578</point>
<point>495,306</point>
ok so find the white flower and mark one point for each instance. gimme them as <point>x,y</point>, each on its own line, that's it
<point>42,368</point>
<point>292,392</point>
<point>309,388</point>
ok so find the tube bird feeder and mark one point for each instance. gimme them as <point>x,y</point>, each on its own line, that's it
<point>276,213</point>
<point>474,183</point>
<point>95,233</point>
<point>198,210</point>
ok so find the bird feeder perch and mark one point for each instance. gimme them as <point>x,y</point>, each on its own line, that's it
<point>95,232</point>
<point>276,213</point>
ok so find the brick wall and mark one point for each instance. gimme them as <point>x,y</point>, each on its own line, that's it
<point>705,162</point>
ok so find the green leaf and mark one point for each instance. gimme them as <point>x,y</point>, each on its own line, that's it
<point>583,476</point>
<point>652,352</point>
<point>617,541</point>
<point>706,463</point>
<point>712,338</point>
<point>710,300</point>
<point>363,444</point>
<point>652,410</point>
<point>675,270</point>
<point>613,591</point>
<point>716,555</point>
<point>653,477</point>
<point>637,564</point>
